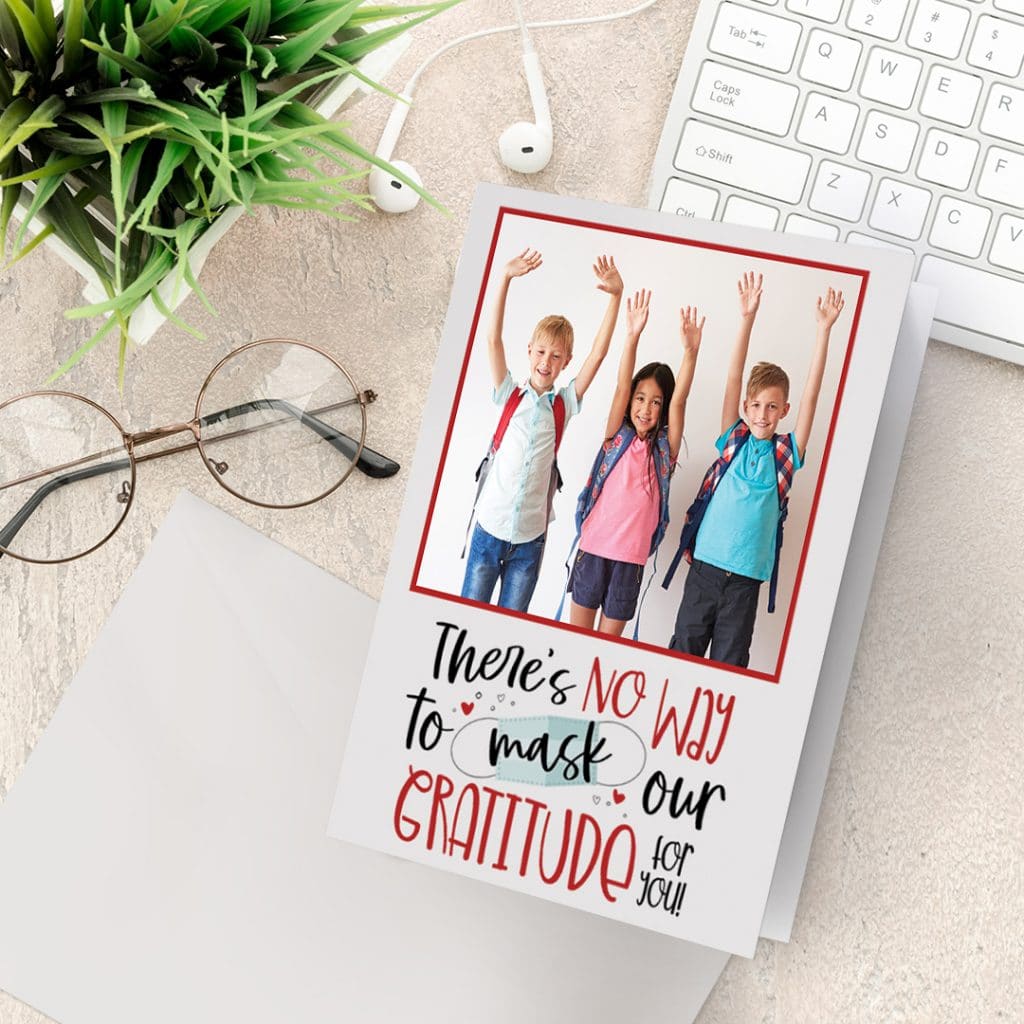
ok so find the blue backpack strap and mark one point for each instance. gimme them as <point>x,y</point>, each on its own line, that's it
<point>784,479</point>
<point>568,573</point>
<point>774,582</point>
<point>643,597</point>
<point>663,472</point>
<point>737,438</point>
<point>584,503</point>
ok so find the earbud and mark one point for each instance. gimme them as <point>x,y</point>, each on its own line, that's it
<point>390,194</point>
<point>525,147</point>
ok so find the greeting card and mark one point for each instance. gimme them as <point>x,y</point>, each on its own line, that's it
<point>615,572</point>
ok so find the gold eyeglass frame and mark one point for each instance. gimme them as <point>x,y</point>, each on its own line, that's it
<point>133,440</point>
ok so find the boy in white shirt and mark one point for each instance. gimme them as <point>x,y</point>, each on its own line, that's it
<point>514,504</point>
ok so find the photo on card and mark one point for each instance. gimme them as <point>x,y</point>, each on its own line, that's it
<point>620,776</point>
<point>618,385</point>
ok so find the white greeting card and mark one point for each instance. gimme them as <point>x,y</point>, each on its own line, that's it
<point>616,773</point>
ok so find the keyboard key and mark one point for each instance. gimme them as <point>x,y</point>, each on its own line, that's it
<point>767,3</point>
<point>1002,177</point>
<point>1013,6</point>
<point>887,141</point>
<point>959,227</point>
<point>743,98</point>
<point>827,123</point>
<point>689,200</point>
<point>755,37</point>
<point>830,59</point>
<point>975,299</point>
<point>890,77</point>
<point>839,191</point>
<point>900,209</point>
<point>800,225</point>
<point>820,10</point>
<point>753,215</point>
<point>859,238</point>
<point>750,164</point>
<point>1008,244</point>
<point>998,46</point>
<point>950,96</point>
<point>938,28</point>
<point>1004,113</point>
<point>880,18</point>
<point>947,159</point>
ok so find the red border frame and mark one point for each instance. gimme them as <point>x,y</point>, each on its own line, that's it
<point>864,275</point>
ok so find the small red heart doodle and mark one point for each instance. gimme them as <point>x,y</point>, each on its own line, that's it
<point>617,796</point>
<point>467,707</point>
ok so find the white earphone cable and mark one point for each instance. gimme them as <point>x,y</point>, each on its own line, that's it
<point>527,42</point>
<point>520,26</point>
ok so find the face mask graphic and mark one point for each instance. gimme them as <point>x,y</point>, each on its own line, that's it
<point>549,750</point>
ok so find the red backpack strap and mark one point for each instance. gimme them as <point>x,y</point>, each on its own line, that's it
<point>507,412</point>
<point>783,465</point>
<point>558,410</point>
<point>733,441</point>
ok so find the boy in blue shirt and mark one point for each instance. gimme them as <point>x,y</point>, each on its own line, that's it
<point>735,547</point>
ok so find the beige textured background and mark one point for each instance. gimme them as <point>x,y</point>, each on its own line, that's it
<point>912,908</point>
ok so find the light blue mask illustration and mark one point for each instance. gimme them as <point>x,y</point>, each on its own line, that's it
<point>549,750</point>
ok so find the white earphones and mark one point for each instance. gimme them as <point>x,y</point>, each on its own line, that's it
<point>390,194</point>
<point>524,147</point>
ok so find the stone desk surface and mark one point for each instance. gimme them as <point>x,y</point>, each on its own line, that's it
<point>912,906</point>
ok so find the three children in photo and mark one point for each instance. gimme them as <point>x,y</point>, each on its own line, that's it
<point>732,533</point>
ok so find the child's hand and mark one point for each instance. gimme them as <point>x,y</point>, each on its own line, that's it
<point>749,288</point>
<point>608,279</point>
<point>527,260</point>
<point>829,308</point>
<point>690,330</point>
<point>637,309</point>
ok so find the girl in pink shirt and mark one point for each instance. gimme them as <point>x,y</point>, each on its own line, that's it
<point>622,512</point>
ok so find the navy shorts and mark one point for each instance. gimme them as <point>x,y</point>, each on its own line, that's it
<point>614,587</point>
<point>718,608</point>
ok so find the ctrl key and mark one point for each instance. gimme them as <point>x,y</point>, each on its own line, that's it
<point>689,200</point>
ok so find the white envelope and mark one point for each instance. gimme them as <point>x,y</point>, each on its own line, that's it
<point>163,857</point>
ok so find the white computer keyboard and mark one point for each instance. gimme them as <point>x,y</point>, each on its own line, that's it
<point>885,122</point>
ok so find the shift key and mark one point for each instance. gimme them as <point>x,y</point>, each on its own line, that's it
<point>742,162</point>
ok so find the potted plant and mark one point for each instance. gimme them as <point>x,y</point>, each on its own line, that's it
<point>129,130</point>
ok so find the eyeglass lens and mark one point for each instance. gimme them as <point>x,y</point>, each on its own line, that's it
<point>280,424</point>
<point>65,477</point>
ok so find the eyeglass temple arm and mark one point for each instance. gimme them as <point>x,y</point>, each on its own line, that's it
<point>8,533</point>
<point>370,462</point>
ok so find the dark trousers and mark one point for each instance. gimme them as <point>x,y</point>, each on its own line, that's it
<point>719,608</point>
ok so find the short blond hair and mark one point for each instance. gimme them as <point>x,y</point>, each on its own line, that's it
<point>767,375</point>
<point>555,328</point>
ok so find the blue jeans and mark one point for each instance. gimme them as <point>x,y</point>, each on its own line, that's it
<point>516,565</point>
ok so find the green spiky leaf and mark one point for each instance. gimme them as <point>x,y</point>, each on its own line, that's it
<point>163,113</point>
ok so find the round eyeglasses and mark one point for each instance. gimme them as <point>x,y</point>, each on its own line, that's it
<point>278,423</point>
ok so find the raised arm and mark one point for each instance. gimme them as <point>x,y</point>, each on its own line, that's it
<point>526,261</point>
<point>690,331</point>
<point>608,281</point>
<point>826,314</point>
<point>749,288</point>
<point>637,310</point>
